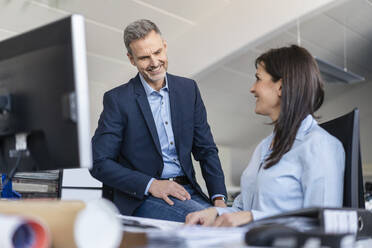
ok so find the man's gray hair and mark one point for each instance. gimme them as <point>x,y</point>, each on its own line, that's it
<point>138,30</point>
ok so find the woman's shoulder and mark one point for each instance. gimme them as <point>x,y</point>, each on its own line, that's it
<point>319,136</point>
<point>321,150</point>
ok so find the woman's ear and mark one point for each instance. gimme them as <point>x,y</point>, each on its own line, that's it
<point>279,87</point>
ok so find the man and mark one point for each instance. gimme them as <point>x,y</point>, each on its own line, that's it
<point>146,133</point>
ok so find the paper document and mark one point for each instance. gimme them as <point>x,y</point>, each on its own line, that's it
<point>198,236</point>
<point>138,224</point>
<point>162,233</point>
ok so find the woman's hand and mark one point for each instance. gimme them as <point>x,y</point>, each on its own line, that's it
<point>204,217</point>
<point>234,219</point>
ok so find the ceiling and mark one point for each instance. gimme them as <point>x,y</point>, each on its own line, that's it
<point>216,42</point>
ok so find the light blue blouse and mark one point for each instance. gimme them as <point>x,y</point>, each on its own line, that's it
<point>310,174</point>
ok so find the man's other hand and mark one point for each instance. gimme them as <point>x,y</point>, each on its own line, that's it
<point>164,188</point>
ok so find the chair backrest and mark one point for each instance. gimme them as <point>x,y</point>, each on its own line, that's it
<point>346,129</point>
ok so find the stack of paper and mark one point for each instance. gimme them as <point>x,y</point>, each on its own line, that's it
<point>139,224</point>
<point>37,184</point>
<point>197,236</point>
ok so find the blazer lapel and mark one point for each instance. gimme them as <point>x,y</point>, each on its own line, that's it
<point>173,96</point>
<point>144,105</point>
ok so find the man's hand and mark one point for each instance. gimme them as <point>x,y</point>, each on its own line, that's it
<point>219,203</point>
<point>163,188</point>
<point>204,217</point>
<point>234,219</point>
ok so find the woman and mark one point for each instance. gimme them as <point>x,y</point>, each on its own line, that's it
<point>299,165</point>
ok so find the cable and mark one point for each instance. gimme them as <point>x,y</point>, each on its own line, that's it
<point>12,172</point>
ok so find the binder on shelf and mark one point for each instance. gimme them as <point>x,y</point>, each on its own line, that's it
<point>43,184</point>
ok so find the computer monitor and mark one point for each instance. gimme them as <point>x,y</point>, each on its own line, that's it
<point>44,99</point>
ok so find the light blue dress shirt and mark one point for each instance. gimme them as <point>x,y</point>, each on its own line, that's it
<point>310,174</point>
<point>160,108</point>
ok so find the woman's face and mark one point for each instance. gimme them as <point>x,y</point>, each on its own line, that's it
<point>267,93</point>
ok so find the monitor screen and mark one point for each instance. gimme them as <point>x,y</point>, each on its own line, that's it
<point>44,99</point>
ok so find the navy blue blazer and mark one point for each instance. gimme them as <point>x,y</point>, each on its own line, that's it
<point>126,147</point>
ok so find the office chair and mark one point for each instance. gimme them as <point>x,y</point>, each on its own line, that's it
<point>346,129</point>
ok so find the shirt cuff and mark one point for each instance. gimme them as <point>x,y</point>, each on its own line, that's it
<point>257,215</point>
<point>217,195</point>
<point>222,211</point>
<point>148,186</point>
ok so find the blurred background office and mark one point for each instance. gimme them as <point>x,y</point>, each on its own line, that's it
<point>216,43</point>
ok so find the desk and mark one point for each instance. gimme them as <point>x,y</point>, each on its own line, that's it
<point>134,240</point>
<point>366,243</point>
<point>175,234</point>
<point>180,236</point>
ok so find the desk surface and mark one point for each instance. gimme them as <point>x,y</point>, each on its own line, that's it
<point>131,240</point>
<point>194,236</point>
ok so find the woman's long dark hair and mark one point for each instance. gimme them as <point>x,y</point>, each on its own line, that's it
<point>302,93</point>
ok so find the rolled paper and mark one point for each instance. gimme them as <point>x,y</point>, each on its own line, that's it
<point>71,223</point>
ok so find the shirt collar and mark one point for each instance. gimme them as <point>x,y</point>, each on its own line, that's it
<point>148,89</point>
<point>266,150</point>
<point>305,127</point>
